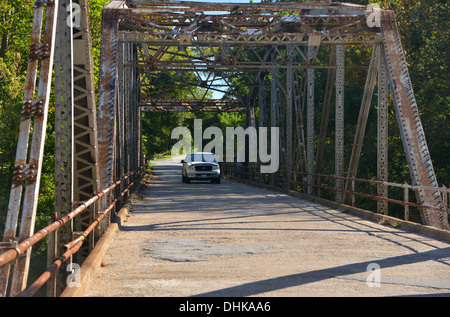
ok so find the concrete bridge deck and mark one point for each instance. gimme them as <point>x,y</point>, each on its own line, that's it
<point>230,239</point>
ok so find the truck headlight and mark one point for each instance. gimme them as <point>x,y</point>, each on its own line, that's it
<point>216,168</point>
<point>190,167</point>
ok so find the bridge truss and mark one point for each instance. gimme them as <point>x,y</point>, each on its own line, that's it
<point>279,47</point>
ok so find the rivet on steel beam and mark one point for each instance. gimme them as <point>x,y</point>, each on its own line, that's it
<point>18,173</point>
<point>33,108</point>
<point>39,50</point>
<point>27,105</point>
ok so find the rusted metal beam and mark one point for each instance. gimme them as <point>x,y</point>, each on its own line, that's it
<point>22,144</point>
<point>107,99</point>
<point>76,176</point>
<point>183,105</point>
<point>106,110</point>
<point>289,109</point>
<point>194,6</point>
<point>411,129</point>
<point>363,116</point>
<point>382,132</point>
<point>85,172</point>
<point>290,23</point>
<point>158,38</point>
<point>41,54</point>
<point>63,135</point>
<point>189,22</point>
<point>188,66</point>
<point>310,118</point>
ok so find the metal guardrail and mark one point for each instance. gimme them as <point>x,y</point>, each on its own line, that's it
<point>73,246</point>
<point>244,172</point>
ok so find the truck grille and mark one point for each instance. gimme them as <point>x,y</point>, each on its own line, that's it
<point>202,168</point>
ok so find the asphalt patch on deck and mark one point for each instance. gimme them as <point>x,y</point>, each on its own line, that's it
<point>193,250</point>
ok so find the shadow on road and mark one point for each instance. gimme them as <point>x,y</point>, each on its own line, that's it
<point>273,284</point>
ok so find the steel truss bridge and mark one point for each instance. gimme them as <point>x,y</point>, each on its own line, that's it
<point>98,137</point>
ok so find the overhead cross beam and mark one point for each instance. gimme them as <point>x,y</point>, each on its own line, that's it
<point>192,105</point>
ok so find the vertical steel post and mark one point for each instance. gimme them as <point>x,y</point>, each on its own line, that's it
<point>106,111</point>
<point>125,108</point>
<point>128,110</point>
<point>250,122</point>
<point>339,121</point>
<point>120,165</point>
<point>63,136</point>
<point>321,139</point>
<point>63,110</point>
<point>310,120</point>
<point>85,123</point>
<point>262,102</point>
<point>299,105</point>
<point>273,106</point>
<point>262,115</point>
<point>139,114</point>
<point>135,111</point>
<point>108,96</point>
<point>289,87</point>
<point>362,118</point>
<point>382,133</point>
<point>138,110</point>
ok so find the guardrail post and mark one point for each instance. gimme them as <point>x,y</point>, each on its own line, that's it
<point>353,195</point>
<point>444,197</point>
<point>406,200</point>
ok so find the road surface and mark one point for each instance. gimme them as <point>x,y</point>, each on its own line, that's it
<point>230,239</point>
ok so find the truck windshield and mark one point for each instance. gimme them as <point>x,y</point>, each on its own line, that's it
<point>203,157</point>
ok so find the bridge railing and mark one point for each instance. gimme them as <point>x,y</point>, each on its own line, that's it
<point>325,185</point>
<point>126,184</point>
